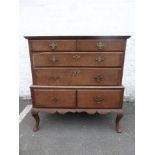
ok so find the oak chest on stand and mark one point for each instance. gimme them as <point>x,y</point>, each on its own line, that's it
<point>77,74</point>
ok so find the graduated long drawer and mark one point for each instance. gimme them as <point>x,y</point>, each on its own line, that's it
<point>106,59</point>
<point>77,76</point>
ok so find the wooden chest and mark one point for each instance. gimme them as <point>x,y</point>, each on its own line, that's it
<point>77,74</point>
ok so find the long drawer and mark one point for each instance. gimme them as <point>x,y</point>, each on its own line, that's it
<point>54,98</point>
<point>77,76</point>
<point>104,98</point>
<point>106,59</point>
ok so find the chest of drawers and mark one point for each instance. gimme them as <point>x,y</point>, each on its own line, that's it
<point>77,74</point>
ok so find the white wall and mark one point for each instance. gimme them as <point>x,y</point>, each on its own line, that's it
<point>76,17</point>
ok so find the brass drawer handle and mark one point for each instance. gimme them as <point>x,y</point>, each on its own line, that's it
<point>98,99</point>
<point>76,57</point>
<point>55,99</point>
<point>53,45</point>
<point>98,77</point>
<point>76,72</point>
<point>99,59</point>
<point>53,59</point>
<point>55,77</point>
<point>100,45</point>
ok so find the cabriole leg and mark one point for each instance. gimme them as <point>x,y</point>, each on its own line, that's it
<point>37,120</point>
<point>118,118</point>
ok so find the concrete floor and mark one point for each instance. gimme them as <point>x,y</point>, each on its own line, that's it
<point>77,134</point>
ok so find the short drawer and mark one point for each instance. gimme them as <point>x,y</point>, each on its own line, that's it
<point>54,98</point>
<point>101,45</point>
<point>77,76</point>
<point>105,98</point>
<point>107,59</point>
<point>52,45</point>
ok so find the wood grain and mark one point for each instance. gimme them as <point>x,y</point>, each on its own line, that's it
<point>77,74</point>
<point>99,59</point>
<point>74,37</point>
<point>54,98</point>
<point>43,45</point>
<point>77,110</point>
<point>111,98</point>
<point>86,76</point>
<point>109,45</point>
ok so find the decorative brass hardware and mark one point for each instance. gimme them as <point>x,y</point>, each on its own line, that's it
<point>99,59</point>
<point>55,77</point>
<point>55,99</point>
<point>100,45</point>
<point>98,99</point>
<point>53,59</point>
<point>98,77</point>
<point>76,72</point>
<point>53,45</point>
<point>76,57</point>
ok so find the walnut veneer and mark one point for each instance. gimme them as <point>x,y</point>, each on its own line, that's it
<point>76,74</point>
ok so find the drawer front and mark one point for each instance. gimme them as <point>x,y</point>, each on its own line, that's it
<point>54,98</point>
<point>101,45</point>
<point>52,45</point>
<point>77,76</point>
<point>108,98</point>
<point>107,59</point>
